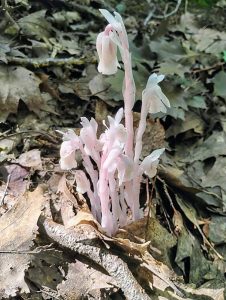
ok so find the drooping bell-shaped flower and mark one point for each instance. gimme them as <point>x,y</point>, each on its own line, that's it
<point>67,156</point>
<point>150,163</point>
<point>107,52</point>
<point>67,150</point>
<point>154,96</point>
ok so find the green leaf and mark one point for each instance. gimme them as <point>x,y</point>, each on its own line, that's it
<point>220,84</point>
<point>217,230</point>
<point>171,68</point>
<point>197,102</point>
<point>224,56</point>
<point>36,25</point>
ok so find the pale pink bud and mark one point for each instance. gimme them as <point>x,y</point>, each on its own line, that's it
<point>150,163</point>
<point>107,52</point>
<point>153,95</point>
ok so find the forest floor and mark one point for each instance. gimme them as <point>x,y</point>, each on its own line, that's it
<point>48,81</point>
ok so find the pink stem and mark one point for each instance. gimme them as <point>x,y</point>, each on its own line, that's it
<point>107,217</point>
<point>116,210</point>
<point>93,175</point>
<point>140,131</point>
<point>129,91</point>
<point>138,149</point>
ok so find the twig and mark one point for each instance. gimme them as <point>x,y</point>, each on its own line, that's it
<point>217,65</point>
<point>169,14</point>
<point>46,62</point>
<point>150,15</point>
<point>84,241</point>
<point>50,137</point>
<point>5,191</point>
<point>49,292</point>
<point>37,250</point>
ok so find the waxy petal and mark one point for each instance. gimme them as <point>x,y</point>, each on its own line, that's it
<point>107,52</point>
<point>150,163</point>
<point>111,161</point>
<point>125,167</point>
<point>114,21</point>
<point>154,97</point>
<point>82,183</point>
<point>88,135</point>
<point>67,156</point>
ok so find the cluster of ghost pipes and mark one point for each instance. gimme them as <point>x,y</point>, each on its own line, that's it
<point>113,170</point>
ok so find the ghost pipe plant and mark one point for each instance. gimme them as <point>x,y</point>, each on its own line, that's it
<point>112,161</point>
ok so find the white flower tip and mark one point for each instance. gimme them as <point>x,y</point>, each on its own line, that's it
<point>67,156</point>
<point>157,153</point>
<point>115,21</point>
<point>150,163</point>
<point>153,95</point>
<point>155,79</point>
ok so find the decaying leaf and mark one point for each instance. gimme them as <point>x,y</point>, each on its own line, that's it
<point>36,25</point>
<point>18,227</point>
<point>31,159</point>
<point>7,144</point>
<point>154,135</point>
<point>219,84</point>
<point>18,83</point>
<point>14,177</point>
<point>83,281</point>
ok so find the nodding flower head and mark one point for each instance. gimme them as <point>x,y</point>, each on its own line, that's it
<point>107,52</point>
<point>67,150</point>
<point>150,163</point>
<point>154,96</point>
<point>88,135</point>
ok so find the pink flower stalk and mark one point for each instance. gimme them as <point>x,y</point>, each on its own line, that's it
<point>112,164</point>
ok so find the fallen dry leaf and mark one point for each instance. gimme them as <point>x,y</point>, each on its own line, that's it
<point>13,185</point>
<point>31,159</point>
<point>18,83</point>
<point>64,191</point>
<point>17,229</point>
<point>83,280</point>
<point>154,135</point>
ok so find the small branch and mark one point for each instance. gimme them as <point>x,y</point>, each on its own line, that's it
<point>37,250</point>
<point>169,14</point>
<point>5,191</point>
<point>215,66</point>
<point>84,241</point>
<point>47,62</point>
<point>50,137</point>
